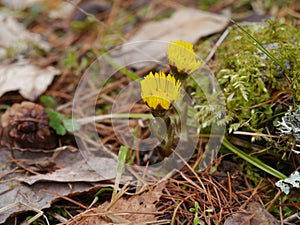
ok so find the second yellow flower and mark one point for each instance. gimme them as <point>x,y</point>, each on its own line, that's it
<point>159,90</point>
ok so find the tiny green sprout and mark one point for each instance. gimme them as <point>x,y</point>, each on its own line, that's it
<point>122,156</point>
<point>70,60</point>
<point>96,196</point>
<point>83,26</point>
<point>63,213</point>
<point>70,124</point>
<point>60,124</point>
<point>213,169</point>
<point>194,210</point>
<point>103,190</point>
<point>48,101</point>
<point>56,121</point>
<point>37,221</point>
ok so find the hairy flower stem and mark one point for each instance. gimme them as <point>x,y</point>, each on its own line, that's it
<point>163,129</point>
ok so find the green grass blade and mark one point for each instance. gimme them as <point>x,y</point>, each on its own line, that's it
<point>264,50</point>
<point>92,119</point>
<point>123,152</point>
<point>254,161</point>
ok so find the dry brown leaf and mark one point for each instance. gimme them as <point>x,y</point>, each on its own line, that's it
<point>186,24</point>
<point>16,38</point>
<point>138,209</point>
<point>18,4</point>
<point>77,172</point>
<point>63,9</point>
<point>75,177</point>
<point>30,80</point>
<point>38,195</point>
<point>255,215</point>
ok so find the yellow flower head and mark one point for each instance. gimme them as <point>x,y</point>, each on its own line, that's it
<point>160,91</point>
<point>182,57</point>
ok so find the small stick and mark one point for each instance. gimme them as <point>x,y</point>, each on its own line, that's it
<point>18,204</point>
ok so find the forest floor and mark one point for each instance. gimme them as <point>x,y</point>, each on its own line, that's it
<point>77,138</point>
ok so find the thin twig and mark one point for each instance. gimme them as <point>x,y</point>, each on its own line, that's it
<point>66,198</point>
<point>215,47</point>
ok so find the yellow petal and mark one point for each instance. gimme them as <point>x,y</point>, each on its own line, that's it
<point>160,91</point>
<point>182,56</point>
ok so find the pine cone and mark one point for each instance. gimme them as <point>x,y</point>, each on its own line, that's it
<point>26,125</point>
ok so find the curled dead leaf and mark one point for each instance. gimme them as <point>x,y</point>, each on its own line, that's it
<point>14,37</point>
<point>30,80</point>
<point>138,209</point>
<point>185,24</point>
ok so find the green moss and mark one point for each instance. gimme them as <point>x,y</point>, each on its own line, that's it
<point>253,85</point>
